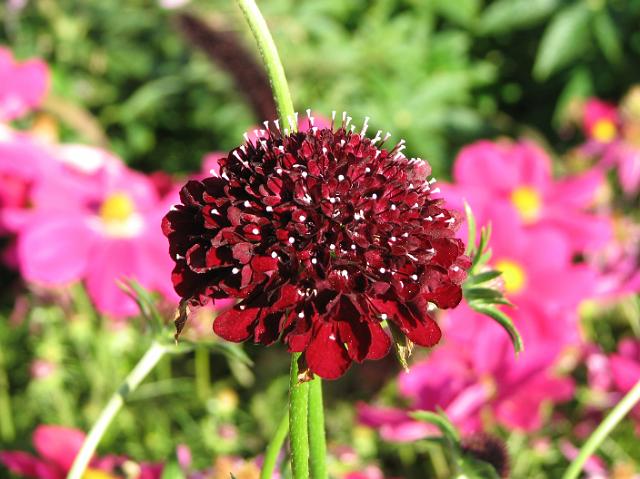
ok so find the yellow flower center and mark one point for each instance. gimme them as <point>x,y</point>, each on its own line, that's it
<point>527,202</point>
<point>604,131</point>
<point>97,474</point>
<point>513,275</point>
<point>118,207</point>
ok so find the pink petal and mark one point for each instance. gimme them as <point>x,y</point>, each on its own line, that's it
<point>58,444</point>
<point>55,249</point>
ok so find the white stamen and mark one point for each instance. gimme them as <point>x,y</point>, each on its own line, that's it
<point>247,204</point>
<point>269,209</point>
<point>450,220</point>
<point>364,126</point>
<point>235,271</point>
<point>340,177</point>
<point>279,171</point>
<point>393,207</point>
<point>274,255</point>
<point>384,316</point>
<point>302,217</point>
<point>242,307</point>
<point>305,174</point>
<point>332,200</point>
<point>301,315</point>
<point>332,247</point>
<point>353,247</point>
<point>367,170</point>
<point>292,239</point>
<point>455,268</point>
<point>435,190</point>
<point>314,261</point>
<point>332,337</point>
<point>414,277</point>
<point>382,270</point>
<point>374,196</point>
<point>255,231</point>
<point>393,238</point>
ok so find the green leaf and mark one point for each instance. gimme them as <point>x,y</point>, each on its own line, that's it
<point>172,470</point>
<point>471,468</point>
<point>508,15</point>
<point>462,12</point>
<point>564,40</point>
<point>504,321</point>
<point>606,34</point>
<point>483,277</point>
<point>471,227</point>
<point>439,420</point>
<point>579,85</point>
<point>145,302</point>
<point>485,295</point>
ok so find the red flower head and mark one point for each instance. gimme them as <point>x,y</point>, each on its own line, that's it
<point>321,235</point>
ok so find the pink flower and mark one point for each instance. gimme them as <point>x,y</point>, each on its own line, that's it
<point>625,369</point>
<point>23,85</point>
<point>472,386</point>
<point>626,156</point>
<point>518,177</point>
<point>537,266</point>
<point>95,220</point>
<point>600,121</point>
<point>57,447</point>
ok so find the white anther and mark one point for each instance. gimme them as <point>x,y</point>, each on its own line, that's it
<point>429,218</point>
<point>269,209</point>
<point>340,177</point>
<point>455,268</point>
<point>384,316</point>
<point>374,196</point>
<point>440,215</point>
<point>416,205</point>
<point>314,261</point>
<point>279,171</point>
<point>235,271</point>
<point>364,126</point>
<point>305,174</point>
<point>274,255</point>
<point>332,200</point>
<point>277,123</point>
<point>332,337</point>
<point>353,247</point>
<point>301,315</point>
<point>332,247</point>
<point>324,150</point>
<point>292,239</point>
<point>255,231</point>
<point>450,220</point>
<point>414,277</point>
<point>302,217</point>
<point>367,170</point>
<point>213,172</point>
<point>435,190</point>
<point>393,207</point>
<point>432,180</point>
<point>246,204</point>
<point>382,270</point>
<point>405,235</point>
<point>431,250</point>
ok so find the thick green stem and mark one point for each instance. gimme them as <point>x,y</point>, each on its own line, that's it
<point>298,422</point>
<point>317,436</point>
<point>274,447</point>
<point>602,431</point>
<point>271,60</point>
<point>155,352</point>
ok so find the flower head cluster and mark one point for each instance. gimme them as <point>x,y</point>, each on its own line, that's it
<point>321,236</point>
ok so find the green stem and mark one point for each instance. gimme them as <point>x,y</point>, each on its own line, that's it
<point>298,425</point>
<point>7,429</point>
<point>274,447</point>
<point>602,431</point>
<point>271,60</point>
<point>155,352</point>
<point>317,436</point>
<point>202,372</point>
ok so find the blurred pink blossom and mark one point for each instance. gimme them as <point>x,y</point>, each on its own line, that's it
<point>467,383</point>
<point>93,219</point>
<point>23,85</point>
<point>516,177</point>
<point>41,369</point>
<point>600,120</point>
<point>56,448</point>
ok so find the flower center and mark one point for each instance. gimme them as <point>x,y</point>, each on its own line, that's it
<point>97,474</point>
<point>604,131</point>
<point>527,202</point>
<point>118,207</point>
<point>513,275</point>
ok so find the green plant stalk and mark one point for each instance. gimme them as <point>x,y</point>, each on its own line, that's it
<point>317,435</point>
<point>202,372</point>
<point>274,447</point>
<point>298,422</point>
<point>7,429</point>
<point>150,359</point>
<point>271,60</point>
<point>602,431</point>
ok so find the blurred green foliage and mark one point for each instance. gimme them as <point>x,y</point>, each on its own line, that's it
<point>437,73</point>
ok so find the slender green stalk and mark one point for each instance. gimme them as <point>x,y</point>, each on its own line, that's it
<point>155,352</point>
<point>271,60</point>
<point>298,425</point>
<point>602,431</point>
<point>202,372</point>
<point>7,429</point>
<point>317,435</point>
<point>274,447</point>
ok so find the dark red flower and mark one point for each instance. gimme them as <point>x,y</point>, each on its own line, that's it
<point>322,235</point>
